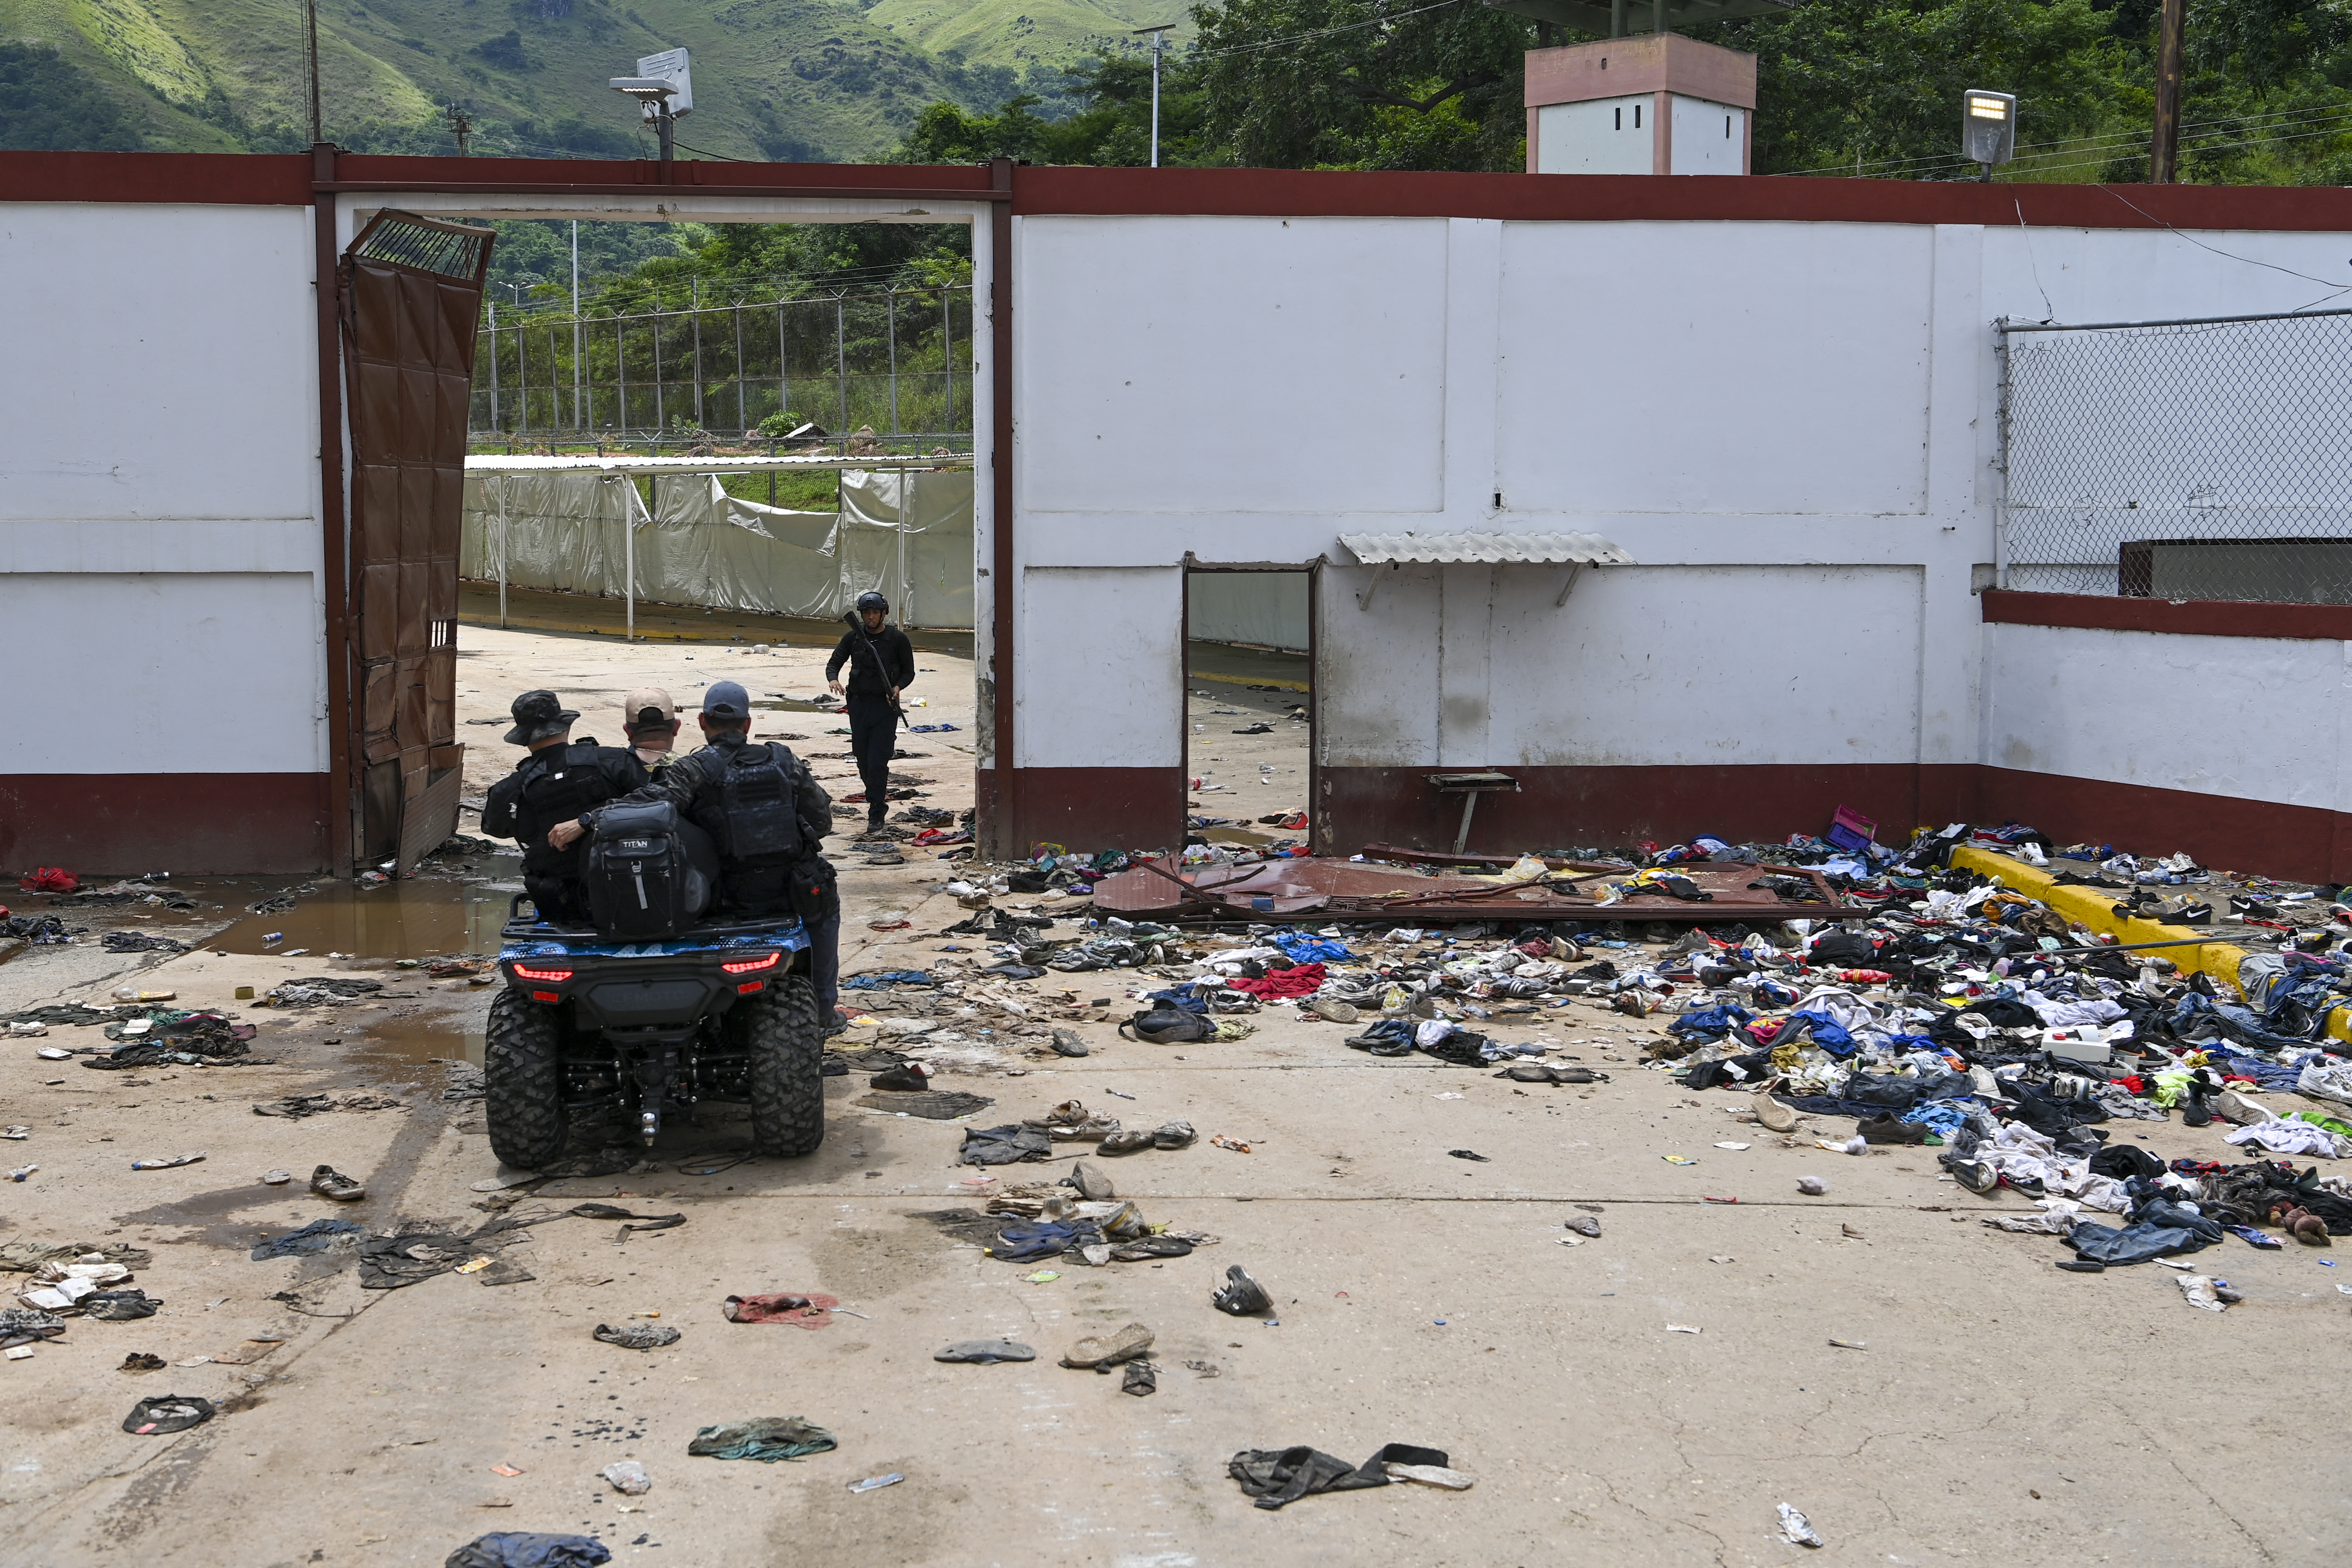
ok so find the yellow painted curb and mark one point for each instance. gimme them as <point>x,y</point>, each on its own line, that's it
<point>2095,907</point>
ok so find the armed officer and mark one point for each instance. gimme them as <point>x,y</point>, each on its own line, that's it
<point>769,817</point>
<point>559,780</point>
<point>881,667</point>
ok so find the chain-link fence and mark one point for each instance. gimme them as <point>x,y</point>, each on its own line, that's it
<point>897,363</point>
<point>2193,459</point>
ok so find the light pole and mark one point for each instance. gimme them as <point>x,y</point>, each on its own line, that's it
<point>576,420</point>
<point>657,91</point>
<point>1159,38</point>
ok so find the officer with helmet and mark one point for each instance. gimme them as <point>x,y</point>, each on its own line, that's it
<point>881,664</point>
<point>767,815</point>
<point>559,780</point>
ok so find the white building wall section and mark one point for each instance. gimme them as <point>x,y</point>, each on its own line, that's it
<point>176,467</point>
<point>1601,136</point>
<point>2249,718</point>
<point>1100,668</point>
<point>1708,138</point>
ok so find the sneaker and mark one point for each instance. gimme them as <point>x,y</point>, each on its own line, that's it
<point>330,1182</point>
<point>1775,1115</point>
<point>1241,1295</point>
<point>1977,1175</point>
<point>1131,1140</point>
<point>1173,1135</point>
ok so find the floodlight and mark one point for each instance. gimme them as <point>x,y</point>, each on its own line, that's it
<point>1987,127</point>
<point>644,89</point>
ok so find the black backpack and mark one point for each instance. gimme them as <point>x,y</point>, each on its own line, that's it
<point>643,880</point>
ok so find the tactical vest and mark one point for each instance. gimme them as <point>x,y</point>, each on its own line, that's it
<point>758,817</point>
<point>559,783</point>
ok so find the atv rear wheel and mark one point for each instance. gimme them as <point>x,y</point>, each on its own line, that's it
<point>522,1069</point>
<point>787,1050</point>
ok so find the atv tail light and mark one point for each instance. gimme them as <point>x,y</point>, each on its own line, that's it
<point>546,997</point>
<point>751,966</point>
<point>553,976</point>
<point>751,985</point>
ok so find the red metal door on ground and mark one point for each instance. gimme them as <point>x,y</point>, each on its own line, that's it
<point>412,294</point>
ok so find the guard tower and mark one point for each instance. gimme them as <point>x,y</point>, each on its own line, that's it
<point>1645,99</point>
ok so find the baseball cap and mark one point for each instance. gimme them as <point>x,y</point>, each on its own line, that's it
<point>647,706</point>
<point>727,700</point>
<point>537,715</point>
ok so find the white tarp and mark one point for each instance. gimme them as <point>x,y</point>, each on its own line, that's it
<point>906,534</point>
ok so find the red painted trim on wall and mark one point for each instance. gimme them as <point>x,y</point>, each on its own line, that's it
<point>275,180</point>
<point>1594,198</point>
<point>122,825</point>
<point>235,179</point>
<point>2199,617</point>
<point>1002,826</point>
<point>333,517</point>
<point>1100,808</point>
<point>2307,843</point>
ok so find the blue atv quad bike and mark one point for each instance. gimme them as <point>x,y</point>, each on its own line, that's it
<point>592,1035</point>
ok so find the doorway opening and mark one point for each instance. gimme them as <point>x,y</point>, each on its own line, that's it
<point>823,370</point>
<point>1249,710</point>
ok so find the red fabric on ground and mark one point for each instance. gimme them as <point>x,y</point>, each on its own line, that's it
<point>1303,980</point>
<point>809,1311</point>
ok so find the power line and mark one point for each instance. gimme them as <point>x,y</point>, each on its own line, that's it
<point>1322,33</point>
<point>1942,160</point>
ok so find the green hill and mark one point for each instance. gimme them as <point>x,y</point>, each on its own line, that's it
<point>773,78</point>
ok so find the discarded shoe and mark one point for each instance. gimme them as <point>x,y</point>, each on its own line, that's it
<point>908,1076</point>
<point>1332,1011</point>
<point>330,1182</point>
<point>276,1178</point>
<point>1977,1175</point>
<point>1583,1225</point>
<point>1092,1184</point>
<point>1166,1026</point>
<point>985,1353</point>
<point>1173,1135</point>
<point>1142,1378</point>
<point>1890,1128</point>
<point>1130,1141</point>
<point>1241,1295</point>
<point>638,1336</point>
<point>139,1361</point>
<point>1067,1044</point>
<point>1108,1350</point>
<point>1812,1187</point>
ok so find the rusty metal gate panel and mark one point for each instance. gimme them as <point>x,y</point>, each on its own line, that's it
<point>412,293</point>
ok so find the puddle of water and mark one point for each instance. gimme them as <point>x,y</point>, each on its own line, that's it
<point>448,1037</point>
<point>418,918</point>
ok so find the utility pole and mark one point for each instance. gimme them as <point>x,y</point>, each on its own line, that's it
<point>576,421</point>
<point>1159,38</point>
<point>461,126</point>
<point>2164,149</point>
<point>311,52</point>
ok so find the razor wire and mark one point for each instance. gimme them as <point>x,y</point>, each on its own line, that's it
<point>2188,459</point>
<point>897,363</point>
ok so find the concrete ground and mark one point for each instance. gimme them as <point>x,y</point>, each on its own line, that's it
<point>1991,1408</point>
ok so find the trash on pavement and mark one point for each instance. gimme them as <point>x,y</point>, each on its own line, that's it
<point>875,1483</point>
<point>628,1477</point>
<point>765,1438</point>
<point>1100,1350</point>
<point>984,1352</point>
<point>1241,1295</point>
<point>800,1311</point>
<point>638,1336</point>
<point>166,1414</point>
<point>517,1548</point>
<point>1796,1529</point>
<point>1276,1478</point>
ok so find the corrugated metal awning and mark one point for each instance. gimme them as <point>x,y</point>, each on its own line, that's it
<point>1525,549</point>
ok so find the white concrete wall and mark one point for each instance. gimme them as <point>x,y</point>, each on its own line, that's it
<point>2250,717</point>
<point>160,541</point>
<point>1791,426</point>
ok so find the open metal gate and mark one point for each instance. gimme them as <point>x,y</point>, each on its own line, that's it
<point>411,296</point>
